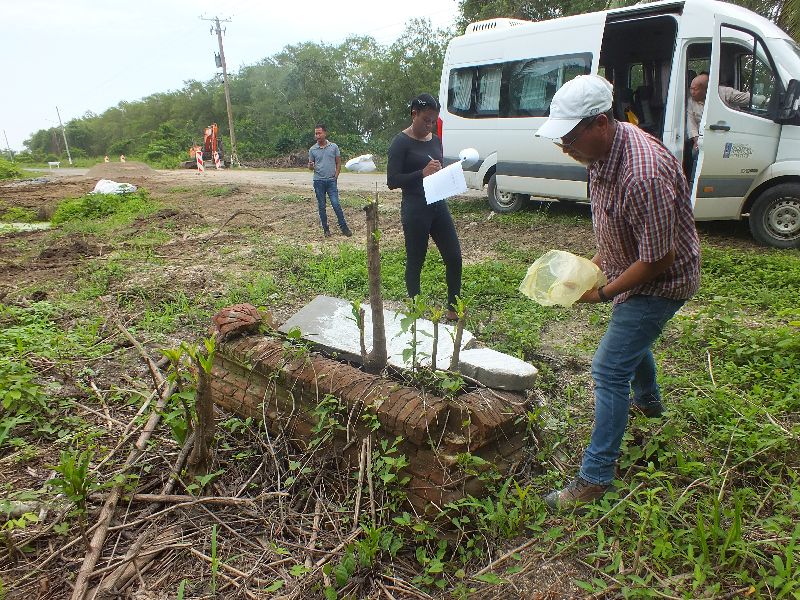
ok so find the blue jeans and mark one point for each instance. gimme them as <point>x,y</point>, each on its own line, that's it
<point>321,187</point>
<point>624,362</point>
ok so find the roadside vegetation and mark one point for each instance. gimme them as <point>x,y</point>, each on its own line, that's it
<point>707,504</point>
<point>359,87</point>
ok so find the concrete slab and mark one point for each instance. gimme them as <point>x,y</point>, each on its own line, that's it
<point>497,370</point>
<point>329,323</point>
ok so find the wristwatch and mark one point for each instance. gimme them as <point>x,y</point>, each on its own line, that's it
<point>602,295</point>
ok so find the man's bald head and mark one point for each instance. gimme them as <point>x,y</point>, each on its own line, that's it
<point>698,87</point>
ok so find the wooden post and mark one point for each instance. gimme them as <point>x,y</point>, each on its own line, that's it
<point>376,360</point>
<point>199,462</point>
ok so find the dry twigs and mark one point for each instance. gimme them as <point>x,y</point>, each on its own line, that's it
<point>107,512</point>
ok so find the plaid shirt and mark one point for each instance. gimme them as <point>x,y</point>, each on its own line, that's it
<point>642,209</point>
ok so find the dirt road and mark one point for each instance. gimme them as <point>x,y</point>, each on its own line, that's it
<point>360,182</point>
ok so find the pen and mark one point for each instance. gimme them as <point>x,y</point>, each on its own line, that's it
<point>429,156</point>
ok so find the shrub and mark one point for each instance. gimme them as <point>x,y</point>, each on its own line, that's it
<point>18,214</point>
<point>101,206</point>
<point>9,170</point>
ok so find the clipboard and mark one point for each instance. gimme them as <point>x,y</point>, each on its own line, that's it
<point>445,183</point>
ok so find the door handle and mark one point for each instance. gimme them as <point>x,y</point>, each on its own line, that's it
<point>719,127</point>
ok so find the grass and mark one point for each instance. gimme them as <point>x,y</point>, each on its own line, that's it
<point>18,214</point>
<point>102,213</point>
<point>221,191</point>
<point>708,498</point>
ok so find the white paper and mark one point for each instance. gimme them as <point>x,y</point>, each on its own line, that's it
<point>444,184</point>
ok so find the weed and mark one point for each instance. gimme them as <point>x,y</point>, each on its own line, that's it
<point>214,560</point>
<point>181,589</point>
<point>9,526</point>
<point>75,480</point>
<point>19,214</point>
<point>328,415</point>
<point>111,209</point>
<point>9,170</point>
<point>387,464</point>
<point>221,191</point>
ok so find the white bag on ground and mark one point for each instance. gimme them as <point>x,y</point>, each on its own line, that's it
<point>559,277</point>
<point>106,186</point>
<point>361,164</point>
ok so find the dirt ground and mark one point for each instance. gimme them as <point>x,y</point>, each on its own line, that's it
<point>33,265</point>
<point>260,198</point>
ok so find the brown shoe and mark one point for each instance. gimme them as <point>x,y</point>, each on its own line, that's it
<point>451,315</point>
<point>579,491</point>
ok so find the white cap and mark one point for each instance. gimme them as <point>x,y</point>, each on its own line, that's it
<point>584,96</point>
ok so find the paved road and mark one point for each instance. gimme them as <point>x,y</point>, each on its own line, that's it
<point>362,182</point>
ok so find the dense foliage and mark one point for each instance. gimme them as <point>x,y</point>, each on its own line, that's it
<point>358,88</point>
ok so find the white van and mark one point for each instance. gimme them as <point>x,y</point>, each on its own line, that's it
<point>499,77</point>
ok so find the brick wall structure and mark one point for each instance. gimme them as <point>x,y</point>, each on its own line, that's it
<point>257,376</point>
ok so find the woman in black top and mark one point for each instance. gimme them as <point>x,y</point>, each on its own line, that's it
<point>416,152</point>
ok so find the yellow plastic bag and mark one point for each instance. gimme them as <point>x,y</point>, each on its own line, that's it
<point>559,277</point>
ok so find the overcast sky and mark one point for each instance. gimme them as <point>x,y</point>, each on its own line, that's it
<point>88,55</point>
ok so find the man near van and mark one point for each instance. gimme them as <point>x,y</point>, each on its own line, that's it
<point>647,245</point>
<point>325,160</point>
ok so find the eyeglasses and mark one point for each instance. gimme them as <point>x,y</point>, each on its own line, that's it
<point>564,143</point>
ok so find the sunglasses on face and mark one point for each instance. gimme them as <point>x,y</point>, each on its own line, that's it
<point>576,134</point>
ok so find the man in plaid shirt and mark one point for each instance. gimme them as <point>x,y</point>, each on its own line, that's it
<point>647,246</point>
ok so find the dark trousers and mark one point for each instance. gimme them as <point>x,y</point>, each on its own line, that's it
<point>423,221</point>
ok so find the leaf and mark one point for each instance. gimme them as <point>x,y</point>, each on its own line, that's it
<point>274,586</point>
<point>491,578</point>
<point>298,570</point>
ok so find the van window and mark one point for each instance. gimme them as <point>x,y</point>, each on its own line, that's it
<point>636,76</point>
<point>488,96</point>
<point>532,83</point>
<point>747,80</point>
<point>460,91</point>
<point>522,88</point>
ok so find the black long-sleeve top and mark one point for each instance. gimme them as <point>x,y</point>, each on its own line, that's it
<point>407,158</point>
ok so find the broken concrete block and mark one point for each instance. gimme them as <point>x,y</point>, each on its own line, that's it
<point>497,370</point>
<point>329,323</point>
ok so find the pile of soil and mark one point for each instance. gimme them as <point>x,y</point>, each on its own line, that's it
<point>117,170</point>
<point>71,250</point>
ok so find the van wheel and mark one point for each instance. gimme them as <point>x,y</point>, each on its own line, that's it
<point>775,216</point>
<point>505,202</point>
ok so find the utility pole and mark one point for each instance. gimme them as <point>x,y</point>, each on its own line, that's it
<point>218,30</point>
<point>8,147</point>
<point>64,133</point>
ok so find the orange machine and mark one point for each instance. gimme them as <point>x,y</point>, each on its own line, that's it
<point>211,142</point>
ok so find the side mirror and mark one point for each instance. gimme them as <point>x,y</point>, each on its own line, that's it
<point>790,103</point>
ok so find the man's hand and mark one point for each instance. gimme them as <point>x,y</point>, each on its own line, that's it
<point>311,165</point>
<point>431,168</point>
<point>590,297</point>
